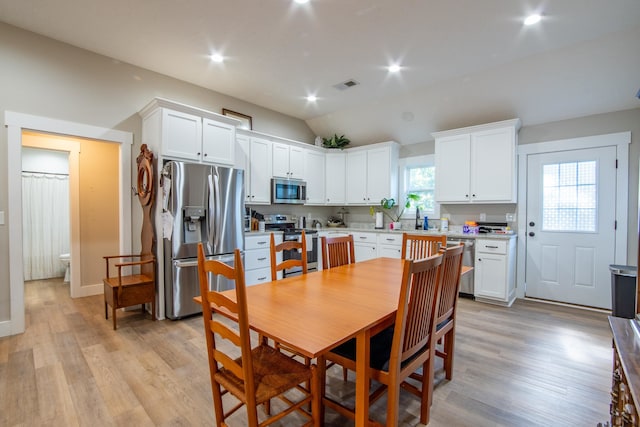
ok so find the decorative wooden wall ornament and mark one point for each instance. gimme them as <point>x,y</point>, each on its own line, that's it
<point>146,194</point>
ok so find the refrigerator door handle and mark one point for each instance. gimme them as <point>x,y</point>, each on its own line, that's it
<point>182,264</point>
<point>216,208</point>
<point>212,221</point>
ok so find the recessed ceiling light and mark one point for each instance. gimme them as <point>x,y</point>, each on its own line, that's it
<point>532,19</point>
<point>393,68</point>
<point>216,57</point>
<point>302,1</point>
<point>312,98</point>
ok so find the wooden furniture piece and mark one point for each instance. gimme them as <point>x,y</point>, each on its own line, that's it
<point>260,373</point>
<point>324,305</point>
<point>288,245</point>
<point>416,246</point>
<point>337,251</point>
<point>138,284</point>
<point>626,372</point>
<point>396,352</point>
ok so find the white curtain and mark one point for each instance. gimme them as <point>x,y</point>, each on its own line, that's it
<point>45,224</point>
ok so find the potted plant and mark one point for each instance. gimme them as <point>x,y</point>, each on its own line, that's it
<point>336,141</point>
<point>389,206</point>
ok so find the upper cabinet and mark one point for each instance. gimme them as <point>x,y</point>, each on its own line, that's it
<point>314,167</point>
<point>477,164</point>
<point>179,131</point>
<point>372,173</point>
<point>335,177</point>
<point>254,156</point>
<point>288,161</point>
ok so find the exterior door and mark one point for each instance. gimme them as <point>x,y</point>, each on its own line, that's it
<point>570,230</point>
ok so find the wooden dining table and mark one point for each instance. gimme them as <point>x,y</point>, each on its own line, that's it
<point>313,313</point>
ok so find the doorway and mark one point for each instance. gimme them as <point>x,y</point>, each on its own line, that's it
<point>573,218</point>
<point>16,124</point>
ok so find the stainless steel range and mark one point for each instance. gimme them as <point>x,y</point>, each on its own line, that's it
<point>287,224</point>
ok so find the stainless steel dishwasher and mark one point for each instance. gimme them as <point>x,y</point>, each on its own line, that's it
<point>468,259</point>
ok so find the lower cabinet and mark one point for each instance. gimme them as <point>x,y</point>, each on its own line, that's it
<point>495,271</point>
<point>257,261</point>
<point>365,246</point>
<point>389,245</point>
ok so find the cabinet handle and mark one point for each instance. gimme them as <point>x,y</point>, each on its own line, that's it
<point>390,240</point>
<point>473,195</point>
<point>198,153</point>
<point>262,243</point>
<point>479,259</point>
<point>262,259</point>
<point>262,278</point>
<point>362,237</point>
<point>205,154</point>
<point>466,196</point>
<point>491,247</point>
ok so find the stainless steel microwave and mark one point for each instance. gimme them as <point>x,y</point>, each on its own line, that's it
<point>288,191</point>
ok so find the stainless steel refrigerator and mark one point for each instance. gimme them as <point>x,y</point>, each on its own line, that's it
<point>201,203</point>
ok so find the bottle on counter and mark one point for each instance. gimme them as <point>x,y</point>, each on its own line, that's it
<point>444,224</point>
<point>425,225</point>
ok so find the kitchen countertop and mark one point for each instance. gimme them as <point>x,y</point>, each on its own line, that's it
<point>450,234</point>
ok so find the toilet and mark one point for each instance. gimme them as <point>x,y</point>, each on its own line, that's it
<point>66,260</point>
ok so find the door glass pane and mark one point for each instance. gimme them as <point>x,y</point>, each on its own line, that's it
<point>569,197</point>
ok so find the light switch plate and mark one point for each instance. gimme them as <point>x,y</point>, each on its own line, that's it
<point>1,217</point>
<point>511,217</point>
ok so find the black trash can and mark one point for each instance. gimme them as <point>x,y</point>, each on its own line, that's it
<point>623,290</point>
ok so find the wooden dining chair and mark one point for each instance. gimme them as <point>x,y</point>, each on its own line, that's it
<point>288,245</point>
<point>337,251</point>
<point>396,352</point>
<point>417,246</point>
<point>260,373</point>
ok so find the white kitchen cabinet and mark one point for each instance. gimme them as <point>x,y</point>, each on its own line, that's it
<point>494,271</point>
<point>390,245</point>
<point>372,173</point>
<point>254,156</point>
<point>335,177</point>
<point>365,246</point>
<point>314,167</point>
<point>257,261</point>
<point>178,131</point>
<point>288,161</point>
<point>477,164</point>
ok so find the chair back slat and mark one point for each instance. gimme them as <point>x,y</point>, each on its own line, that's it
<point>419,294</point>
<point>214,328</point>
<point>419,246</point>
<point>337,251</point>
<point>288,245</point>
<point>451,267</point>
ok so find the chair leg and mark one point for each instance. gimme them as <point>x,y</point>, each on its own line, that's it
<point>113,313</point>
<point>321,373</point>
<point>345,373</point>
<point>427,390</point>
<point>316,398</point>
<point>449,343</point>
<point>393,404</point>
<point>153,309</point>
<point>106,310</point>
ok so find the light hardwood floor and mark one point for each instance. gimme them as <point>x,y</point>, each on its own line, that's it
<point>529,365</point>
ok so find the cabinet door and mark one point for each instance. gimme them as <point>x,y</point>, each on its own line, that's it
<point>491,276</point>
<point>242,156</point>
<point>379,175</point>
<point>280,160</point>
<point>218,142</point>
<point>314,170</point>
<point>389,251</point>
<point>181,135</point>
<point>335,177</point>
<point>365,251</point>
<point>452,161</point>
<point>296,162</point>
<point>356,181</point>
<point>493,166</point>
<point>260,161</point>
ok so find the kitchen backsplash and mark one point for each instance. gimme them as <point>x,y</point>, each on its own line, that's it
<point>359,217</point>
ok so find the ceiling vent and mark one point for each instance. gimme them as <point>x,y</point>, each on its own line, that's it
<point>346,85</point>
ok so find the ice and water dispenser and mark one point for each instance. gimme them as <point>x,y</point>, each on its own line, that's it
<point>193,223</point>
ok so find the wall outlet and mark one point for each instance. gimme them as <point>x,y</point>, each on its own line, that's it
<point>511,217</point>
<point>483,217</point>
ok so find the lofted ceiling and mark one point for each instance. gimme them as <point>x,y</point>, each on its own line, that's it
<point>464,62</point>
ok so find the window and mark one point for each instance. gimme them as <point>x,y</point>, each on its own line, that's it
<point>417,175</point>
<point>569,197</point>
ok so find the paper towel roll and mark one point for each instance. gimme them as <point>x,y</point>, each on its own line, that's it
<point>379,220</point>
